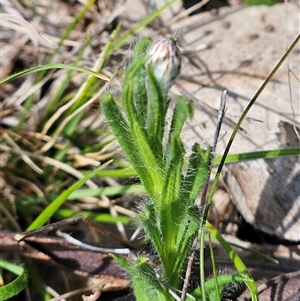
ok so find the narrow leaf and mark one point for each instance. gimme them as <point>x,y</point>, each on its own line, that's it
<point>52,208</point>
<point>17,285</point>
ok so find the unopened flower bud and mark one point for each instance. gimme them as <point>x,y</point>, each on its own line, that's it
<point>165,59</point>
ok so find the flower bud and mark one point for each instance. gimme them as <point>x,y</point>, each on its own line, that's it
<point>165,59</point>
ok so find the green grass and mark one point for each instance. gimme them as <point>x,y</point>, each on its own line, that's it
<point>260,2</point>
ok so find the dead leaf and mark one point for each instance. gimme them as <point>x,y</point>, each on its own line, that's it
<point>63,255</point>
<point>267,192</point>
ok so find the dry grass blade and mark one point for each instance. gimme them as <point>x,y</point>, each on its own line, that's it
<point>97,66</point>
<point>24,156</point>
<point>47,160</point>
<point>60,128</point>
<point>186,12</point>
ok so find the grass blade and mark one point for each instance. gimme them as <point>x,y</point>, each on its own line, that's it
<point>52,208</point>
<point>17,285</point>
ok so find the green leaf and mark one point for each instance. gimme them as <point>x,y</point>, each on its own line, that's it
<point>274,153</point>
<point>149,221</point>
<point>147,287</point>
<point>223,282</point>
<point>52,66</point>
<point>182,111</point>
<point>139,84</point>
<point>236,260</point>
<point>171,209</point>
<point>17,285</point>
<point>156,113</point>
<point>53,207</point>
<point>108,191</point>
<point>186,234</point>
<point>196,175</point>
<point>138,153</point>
